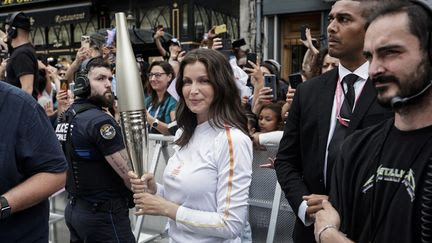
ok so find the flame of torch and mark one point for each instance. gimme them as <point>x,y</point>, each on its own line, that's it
<point>130,95</point>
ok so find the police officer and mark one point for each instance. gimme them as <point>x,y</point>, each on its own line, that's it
<point>97,179</point>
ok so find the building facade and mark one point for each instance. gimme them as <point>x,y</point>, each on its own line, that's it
<point>57,26</point>
<point>282,21</point>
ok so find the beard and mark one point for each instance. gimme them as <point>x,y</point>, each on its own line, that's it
<point>105,100</point>
<point>413,85</point>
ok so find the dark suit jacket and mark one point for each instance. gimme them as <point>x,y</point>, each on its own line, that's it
<point>300,159</point>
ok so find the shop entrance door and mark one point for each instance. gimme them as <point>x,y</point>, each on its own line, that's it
<point>292,49</point>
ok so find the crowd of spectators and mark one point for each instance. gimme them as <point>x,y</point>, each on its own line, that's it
<point>266,105</point>
<point>159,79</point>
<point>198,91</point>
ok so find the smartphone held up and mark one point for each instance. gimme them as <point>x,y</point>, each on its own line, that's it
<point>271,82</point>
<point>64,85</point>
<point>220,29</point>
<point>294,80</point>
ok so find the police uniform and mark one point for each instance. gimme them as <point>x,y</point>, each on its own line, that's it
<point>99,201</point>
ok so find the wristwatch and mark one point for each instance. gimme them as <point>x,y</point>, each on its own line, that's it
<point>155,123</point>
<point>5,209</point>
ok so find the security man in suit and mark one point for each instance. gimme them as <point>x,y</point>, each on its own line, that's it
<point>97,181</point>
<point>324,111</point>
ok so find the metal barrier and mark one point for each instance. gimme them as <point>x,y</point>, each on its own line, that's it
<point>270,216</point>
<point>55,216</point>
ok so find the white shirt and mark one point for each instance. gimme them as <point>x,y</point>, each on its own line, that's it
<point>270,138</point>
<point>211,188</point>
<point>362,73</point>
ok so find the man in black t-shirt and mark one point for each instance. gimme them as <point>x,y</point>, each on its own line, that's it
<point>382,182</point>
<point>22,67</point>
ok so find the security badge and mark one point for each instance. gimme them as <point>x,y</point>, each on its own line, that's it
<point>107,131</point>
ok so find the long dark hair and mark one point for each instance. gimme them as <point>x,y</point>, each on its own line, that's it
<point>225,108</point>
<point>169,71</point>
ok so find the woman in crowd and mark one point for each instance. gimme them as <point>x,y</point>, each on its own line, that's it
<point>160,104</point>
<point>326,62</point>
<point>206,182</point>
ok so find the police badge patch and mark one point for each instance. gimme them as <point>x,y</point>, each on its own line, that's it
<point>107,131</point>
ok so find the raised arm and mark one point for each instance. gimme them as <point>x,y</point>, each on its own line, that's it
<point>158,35</point>
<point>81,55</point>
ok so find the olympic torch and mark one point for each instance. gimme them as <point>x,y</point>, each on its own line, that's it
<point>130,95</point>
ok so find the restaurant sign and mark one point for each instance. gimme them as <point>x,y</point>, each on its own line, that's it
<point>57,15</point>
<point>7,3</point>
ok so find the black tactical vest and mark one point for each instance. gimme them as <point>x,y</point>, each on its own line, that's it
<point>85,176</point>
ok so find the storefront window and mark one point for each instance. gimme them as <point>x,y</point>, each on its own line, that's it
<point>206,18</point>
<point>85,28</point>
<point>59,36</point>
<point>202,22</point>
<point>38,36</point>
<point>150,18</point>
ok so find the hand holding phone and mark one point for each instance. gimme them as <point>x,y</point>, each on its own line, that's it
<point>295,79</point>
<point>251,57</point>
<point>64,85</point>
<point>271,82</point>
<point>221,32</point>
<point>238,43</point>
<point>303,32</point>
<point>217,44</point>
<point>220,29</point>
<point>159,31</point>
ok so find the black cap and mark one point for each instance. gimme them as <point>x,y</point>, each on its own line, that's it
<point>19,21</point>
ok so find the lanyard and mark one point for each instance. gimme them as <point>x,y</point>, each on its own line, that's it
<point>157,111</point>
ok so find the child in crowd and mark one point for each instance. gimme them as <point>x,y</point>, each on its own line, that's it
<point>270,129</point>
<point>270,124</point>
<point>270,118</point>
